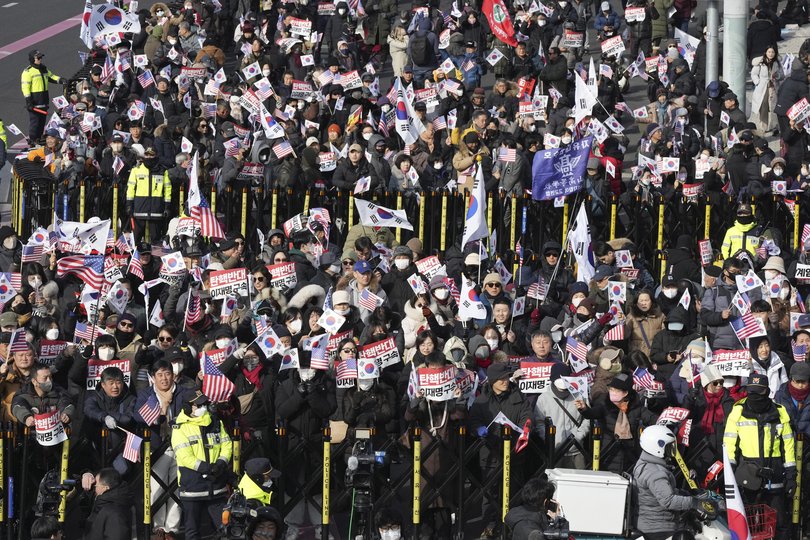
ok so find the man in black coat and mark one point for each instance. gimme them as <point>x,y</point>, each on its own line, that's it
<point>792,89</point>
<point>110,406</point>
<point>110,518</point>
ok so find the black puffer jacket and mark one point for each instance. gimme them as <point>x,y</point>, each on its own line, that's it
<point>791,90</point>
<point>110,517</point>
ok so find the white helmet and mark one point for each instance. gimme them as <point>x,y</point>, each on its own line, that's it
<point>655,440</point>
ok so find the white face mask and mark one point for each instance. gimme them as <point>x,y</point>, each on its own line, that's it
<point>576,300</point>
<point>566,140</point>
<point>35,281</point>
<point>343,312</point>
<point>367,136</point>
<point>10,242</point>
<point>295,326</point>
<point>266,72</point>
<point>199,411</point>
<point>771,274</point>
<point>221,343</point>
<point>438,165</point>
<point>541,23</point>
<point>106,353</point>
<point>670,293</point>
<point>675,326</point>
<point>441,294</point>
<point>556,336</point>
<point>365,384</point>
<point>52,334</point>
<point>394,534</point>
<point>300,105</point>
<point>778,172</point>
<point>171,41</point>
<point>176,368</point>
<point>493,344</point>
<point>159,13</point>
<point>306,374</point>
<point>401,263</point>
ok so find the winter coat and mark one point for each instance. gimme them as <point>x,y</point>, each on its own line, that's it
<point>641,328</point>
<point>696,403</point>
<point>347,174</point>
<point>523,520</point>
<point>762,33</point>
<point>791,90</point>
<point>27,399</point>
<point>766,81</point>
<point>257,411</point>
<point>513,174</point>
<point>98,405</point>
<point>666,341</point>
<point>555,73</point>
<point>398,48</point>
<point>486,407</point>
<point>162,427</point>
<point>799,417</point>
<point>564,417</point>
<point>658,502</point>
<point>681,264</point>
<point>395,284</point>
<point>372,408</point>
<point>776,372</point>
<point>714,301</point>
<point>377,22</point>
<point>110,518</point>
<point>660,25</point>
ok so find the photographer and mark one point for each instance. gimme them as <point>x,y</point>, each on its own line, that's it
<point>110,518</point>
<point>538,511</point>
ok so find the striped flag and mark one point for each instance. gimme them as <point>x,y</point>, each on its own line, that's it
<point>317,345</point>
<point>146,79</point>
<point>87,332</point>
<point>799,352</point>
<point>32,253</point>
<point>507,155</point>
<point>519,250</point>
<point>194,312</point>
<point>616,333</point>
<point>347,369</point>
<point>748,326</point>
<point>577,348</point>
<point>216,386</point>
<point>284,148</point>
<point>735,508</point>
<point>88,268</point>
<point>644,379</point>
<point>124,243</point>
<point>18,343</point>
<point>467,65</point>
<point>454,292</point>
<point>209,225</point>
<point>439,123</point>
<point>369,300</point>
<point>135,266</point>
<point>132,447</point>
<point>150,411</point>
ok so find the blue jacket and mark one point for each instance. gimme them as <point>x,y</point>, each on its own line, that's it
<point>800,419</point>
<point>612,19</point>
<point>179,397</point>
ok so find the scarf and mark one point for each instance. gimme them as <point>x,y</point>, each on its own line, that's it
<point>798,395</point>
<point>253,376</point>
<point>622,429</point>
<point>165,399</point>
<point>714,413</point>
<point>737,392</point>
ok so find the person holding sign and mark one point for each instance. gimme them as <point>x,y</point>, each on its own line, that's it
<point>499,402</point>
<point>559,405</point>
<point>39,396</point>
<point>110,406</point>
<point>709,405</point>
<point>13,375</point>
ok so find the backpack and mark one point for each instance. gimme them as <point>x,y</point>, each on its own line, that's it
<point>420,50</point>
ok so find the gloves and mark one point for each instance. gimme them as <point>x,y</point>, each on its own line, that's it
<point>240,352</point>
<point>218,468</point>
<point>535,316</point>
<point>482,431</point>
<point>706,510</point>
<point>29,103</point>
<point>87,353</point>
<point>130,207</point>
<point>790,482</point>
<point>303,388</point>
<point>204,469</point>
<point>110,422</point>
<point>604,319</point>
<point>166,214</point>
<point>63,81</point>
<point>426,313</point>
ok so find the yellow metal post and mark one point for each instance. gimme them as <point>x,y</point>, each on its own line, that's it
<point>513,231</point>
<point>327,477</point>
<point>663,258</point>
<point>114,210</point>
<point>443,238</point>
<point>63,474</point>
<point>350,212</point>
<point>274,216</point>
<point>81,200</point>
<point>146,457</point>
<point>417,475</point>
<point>399,207</point>
<point>245,210</point>
<point>660,243</point>
<point>597,447</point>
<point>181,201</point>
<point>613,207</point>
<point>489,208</point>
<point>796,237</point>
<point>684,469</point>
<point>306,202</point>
<point>797,496</point>
<point>237,450</point>
<point>708,217</point>
<point>565,223</point>
<point>507,463</point>
<point>214,200</point>
<point>422,216</point>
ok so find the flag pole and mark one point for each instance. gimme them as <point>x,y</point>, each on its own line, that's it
<point>564,251</point>
<point>188,301</point>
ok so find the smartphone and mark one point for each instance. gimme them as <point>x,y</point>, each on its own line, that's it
<point>552,506</point>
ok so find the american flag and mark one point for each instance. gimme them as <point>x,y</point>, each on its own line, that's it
<point>215,385</point>
<point>146,79</point>
<point>18,343</point>
<point>537,290</point>
<point>799,301</point>
<point>194,312</point>
<point>369,300</point>
<point>347,369</point>
<point>761,251</point>
<point>15,278</point>
<point>209,225</point>
<point>132,447</point>
<point>327,301</point>
<point>261,325</point>
<point>284,148</point>
<point>448,20</point>
<point>644,379</point>
<point>467,65</point>
<point>748,326</point>
<point>616,333</point>
<point>135,266</point>
<point>439,123</point>
<point>107,71</point>
<point>799,352</point>
<point>577,348</point>
<point>382,125</point>
<point>88,268</point>
<point>86,332</point>
<point>519,250</point>
<point>454,292</point>
<point>319,358</point>
<point>508,155</point>
<point>150,411</point>
<point>123,244</point>
<point>32,253</point>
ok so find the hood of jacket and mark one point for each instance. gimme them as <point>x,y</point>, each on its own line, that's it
<point>204,420</point>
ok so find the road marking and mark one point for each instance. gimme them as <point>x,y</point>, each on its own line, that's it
<point>45,33</point>
<point>10,4</point>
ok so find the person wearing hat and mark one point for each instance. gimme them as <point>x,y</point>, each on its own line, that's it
<point>709,404</point>
<point>353,168</point>
<point>149,192</point>
<point>360,279</point>
<point>759,439</point>
<point>116,149</point>
<point>794,396</point>
<point>563,278</point>
<point>257,482</point>
<point>34,82</point>
<point>395,283</point>
<point>492,290</point>
<point>557,403</point>
<point>50,151</point>
<point>110,405</point>
<point>470,150</point>
<point>621,414</point>
<point>499,395</point>
<point>731,106</point>
<point>10,250</point>
<point>203,449</point>
<point>640,30</point>
<point>741,235</point>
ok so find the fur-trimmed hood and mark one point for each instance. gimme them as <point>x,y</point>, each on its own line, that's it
<point>305,294</point>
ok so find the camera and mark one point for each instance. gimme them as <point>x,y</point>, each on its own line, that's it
<point>50,494</point>
<point>360,464</point>
<point>237,517</point>
<point>557,528</point>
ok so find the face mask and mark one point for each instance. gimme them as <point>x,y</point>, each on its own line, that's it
<point>341,12</point>
<point>266,72</point>
<point>583,318</point>
<point>176,368</point>
<point>221,343</point>
<point>365,384</point>
<point>566,140</point>
<point>563,4</point>
<point>670,293</point>
<point>10,242</point>
<point>306,374</point>
<point>438,165</point>
<point>46,386</point>
<point>300,105</point>
<point>106,353</point>
<point>295,326</point>
<point>745,220</point>
<point>401,263</point>
<point>35,282</point>
<point>675,326</point>
<point>250,364</point>
<point>805,171</point>
<point>52,334</point>
<point>267,485</point>
<point>556,336</point>
<point>778,172</point>
<point>576,300</point>
<point>482,352</point>
<point>172,41</point>
<point>493,344</point>
<point>343,312</point>
<point>390,535</point>
<point>367,136</point>
<point>199,411</point>
<point>441,294</point>
<point>771,274</point>
<point>645,181</point>
<point>541,23</point>
<point>615,395</point>
<point>532,128</point>
<point>159,13</point>
<point>386,108</point>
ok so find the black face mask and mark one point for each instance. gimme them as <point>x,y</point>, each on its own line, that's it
<point>378,337</point>
<point>745,220</point>
<point>124,338</point>
<point>150,163</point>
<point>583,318</point>
<point>21,309</point>
<point>758,403</point>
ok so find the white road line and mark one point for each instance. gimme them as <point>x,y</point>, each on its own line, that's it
<point>10,4</point>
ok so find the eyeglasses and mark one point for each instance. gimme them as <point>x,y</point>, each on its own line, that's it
<point>348,263</point>
<point>165,339</point>
<point>716,383</point>
<point>258,278</point>
<point>555,255</point>
<point>493,285</point>
<point>126,324</point>
<point>348,350</point>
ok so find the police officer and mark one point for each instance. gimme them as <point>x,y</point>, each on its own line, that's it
<point>759,441</point>
<point>257,482</point>
<point>203,449</point>
<point>149,192</point>
<point>34,82</point>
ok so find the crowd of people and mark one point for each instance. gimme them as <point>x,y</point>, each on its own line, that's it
<point>196,338</point>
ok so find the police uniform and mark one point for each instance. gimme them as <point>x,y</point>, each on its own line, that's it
<point>256,483</point>
<point>34,82</point>
<point>203,450</point>
<point>149,194</point>
<point>760,445</point>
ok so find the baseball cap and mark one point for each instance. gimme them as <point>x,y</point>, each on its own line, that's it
<point>757,384</point>
<point>362,267</point>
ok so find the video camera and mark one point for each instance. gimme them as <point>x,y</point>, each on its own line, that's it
<point>360,464</point>
<point>238,517</point>
<point>50,494</point>
<point>558,528</point>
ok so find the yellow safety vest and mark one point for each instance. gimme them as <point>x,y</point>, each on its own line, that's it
<point>743,433</point>
<point>251,490</point>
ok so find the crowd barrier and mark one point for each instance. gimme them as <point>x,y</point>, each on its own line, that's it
<point>402,480</point>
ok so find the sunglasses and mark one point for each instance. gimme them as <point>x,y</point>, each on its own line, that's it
<point>494,285</point>
<point>258,278</point>
<point>164,339</point>
<point>555,255</point>
<point>126,324</point>
<point>348,263</point>
<point>348,350</point>
<point>716,383</point>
